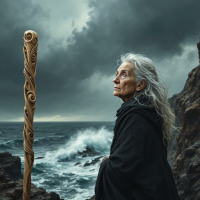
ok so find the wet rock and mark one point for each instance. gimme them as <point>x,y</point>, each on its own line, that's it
<point>92,198</point>
<point>171,149</point>
<point>186,165</point>
<point>39,157</point>
<point>86,164</point>
<point>11,184</point>
<point>88,152</point>
<point>3,186</point>
<point>15,194</point>
<point>54,196</point>
<point>5,181</point>
<point>92,162</point>
<point>13,190</point>
<point>77,163</point>
<point>11,164</point>
<point>85,153</point>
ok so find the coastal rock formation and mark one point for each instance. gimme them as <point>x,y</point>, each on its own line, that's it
<point>198,47</point>
<point>12,165</point>
<point>92,198</point>
<point>171,149</point>
<point>186,167</point>
<point>89,151</point>
<point>13,190</point>
<point>96,160</point>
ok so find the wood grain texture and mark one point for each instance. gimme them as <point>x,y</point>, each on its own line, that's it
<point>30,63</point>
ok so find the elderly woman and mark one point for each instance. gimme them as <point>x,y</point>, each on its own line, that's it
<point>137,168</point>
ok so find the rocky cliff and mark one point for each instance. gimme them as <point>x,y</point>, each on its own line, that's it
<point>198,47</point>
<point>12,189</point>
<point>12,165</point>
<point>171,150</point>
<point>185,145</point>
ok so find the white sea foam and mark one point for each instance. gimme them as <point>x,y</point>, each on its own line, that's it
<point>98,139</point>
<point>77,175</point>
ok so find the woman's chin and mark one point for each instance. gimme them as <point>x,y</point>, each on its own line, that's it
<point>115,93</point>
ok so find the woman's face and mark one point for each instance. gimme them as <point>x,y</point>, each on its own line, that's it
<point>124,82</point>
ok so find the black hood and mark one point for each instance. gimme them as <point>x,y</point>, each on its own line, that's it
<point>142,105</point>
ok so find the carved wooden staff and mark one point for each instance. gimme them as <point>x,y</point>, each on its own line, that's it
<point>30,63</point>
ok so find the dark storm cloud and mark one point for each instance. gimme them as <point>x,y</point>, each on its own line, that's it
<point>154,28</point>
<point>15,18</point>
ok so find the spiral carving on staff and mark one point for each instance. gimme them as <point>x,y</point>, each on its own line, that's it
<point>30,63</point>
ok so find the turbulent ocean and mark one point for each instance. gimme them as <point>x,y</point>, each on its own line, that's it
<point>67,154</point>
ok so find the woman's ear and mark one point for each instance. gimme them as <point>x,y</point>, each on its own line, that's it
<point>141,85</point>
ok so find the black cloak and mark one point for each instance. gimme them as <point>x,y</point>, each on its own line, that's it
<point>137,168</point>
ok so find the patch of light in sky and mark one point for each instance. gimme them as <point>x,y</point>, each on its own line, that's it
<point>174,70</point>
<point>63,17</point>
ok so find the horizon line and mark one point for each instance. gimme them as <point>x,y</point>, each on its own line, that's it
<point>57,121</point>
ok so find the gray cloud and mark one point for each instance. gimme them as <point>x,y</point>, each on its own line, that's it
<point>69,68</point>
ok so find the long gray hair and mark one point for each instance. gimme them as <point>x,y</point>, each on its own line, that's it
<point>144,69</point>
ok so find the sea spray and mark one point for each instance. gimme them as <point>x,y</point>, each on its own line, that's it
<point>67,152</point>
<point>99,140</point>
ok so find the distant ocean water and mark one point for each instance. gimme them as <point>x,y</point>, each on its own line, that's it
<point>62,144</point>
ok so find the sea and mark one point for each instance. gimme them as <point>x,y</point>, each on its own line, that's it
<point>67,155</point>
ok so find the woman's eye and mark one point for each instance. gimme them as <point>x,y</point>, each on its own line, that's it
<point>124,74</point>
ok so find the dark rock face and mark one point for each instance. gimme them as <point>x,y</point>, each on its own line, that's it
<point>198,46</point>
<point>39,157</point>
<point>77,163</point>
<point>92,198</point>
<point>92,162</point>
<point>13,190</point>
<point>12,165</point>
<point>186,167</point>
<point>5,180</point>
<point>188,106</point>
<point>171,149</point>
<point>88,152</point>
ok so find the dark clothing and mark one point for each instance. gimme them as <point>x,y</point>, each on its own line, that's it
<point>137,168</point>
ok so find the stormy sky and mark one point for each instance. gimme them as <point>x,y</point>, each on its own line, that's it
<point>80,42</point>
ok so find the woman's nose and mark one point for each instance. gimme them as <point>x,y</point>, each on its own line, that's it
<point>116,79</point>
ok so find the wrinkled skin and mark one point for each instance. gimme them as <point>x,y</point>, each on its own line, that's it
<point>124,82</point>
<point>125,86</point>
